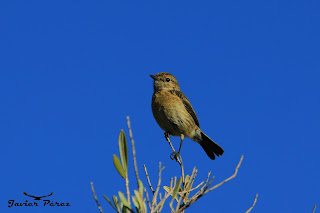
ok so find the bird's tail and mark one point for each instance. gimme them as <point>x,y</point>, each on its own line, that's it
<point>210,147</point>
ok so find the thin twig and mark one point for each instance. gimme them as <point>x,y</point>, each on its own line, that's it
<point>95,197</point>
<point>202,192</point>
<point>147,196</point>
<point>190,190</point>
<point>182,170</point>
<point>168,139</point>
<point>133,150</point>
<point>208,185</point>
<point>154,199</point>
<point>178,159</point>
<point>314,209</point>
<point>193,176</point>
<point>171,207</point>
<point>149,182</point>
<point>178,203</point>
<point>160,205</point>
<point>254,203</point>
<point>205,184</point>
<point>226,180</point>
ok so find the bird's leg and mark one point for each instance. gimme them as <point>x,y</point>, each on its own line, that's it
<point>175,155</point>
<point>182,137</point>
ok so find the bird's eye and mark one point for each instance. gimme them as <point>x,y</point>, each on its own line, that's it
<point>167,79</point>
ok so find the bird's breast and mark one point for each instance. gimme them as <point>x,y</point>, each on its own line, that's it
<point>171,114</point>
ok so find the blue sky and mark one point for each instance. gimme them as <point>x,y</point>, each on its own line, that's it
<point>71,72</point>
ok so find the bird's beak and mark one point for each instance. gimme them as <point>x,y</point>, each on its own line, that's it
<point>154,77</point>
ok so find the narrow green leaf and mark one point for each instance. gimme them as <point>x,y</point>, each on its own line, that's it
<point>141,201</point>
<point>138,196</point>
<point>136,203</point>
<point>140,187</point>
<point>123,150</point>
<point>125,209</point>
<point>176,189</point>
<point>124,200</point>
<point>118,166</point>
<point>145,204</point>
<point>166,188</point>
<point>110,202</point>
<point>187,181</point>
<point>116,203</point>
<point>121,205</point>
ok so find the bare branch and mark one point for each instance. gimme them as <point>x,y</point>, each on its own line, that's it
<point>226,180</point>
<point>160,205</point>
<point>127,188</point>
<point>149,182</point>
<point>95,197</point>
<point>314,209</point>
<point>204,189</point>
<point>183,201</point>
<point>205,184</point>
<point>182,170</point>
<point>147,196</point>
<point>178,159</point>
<point>254,203</point>
<point>133,150</point>
<point>154,199</point>
<point>190,190</point>
<point>178,203</point>
<point>208,185</point>
<point>193,176</point>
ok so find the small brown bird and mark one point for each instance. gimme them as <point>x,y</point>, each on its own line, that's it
<point>175,115</point>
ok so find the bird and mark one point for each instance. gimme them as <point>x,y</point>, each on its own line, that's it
<point>37,198</point>
<point>174,114</point>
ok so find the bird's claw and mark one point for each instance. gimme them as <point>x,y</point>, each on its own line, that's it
<point>175,155</point>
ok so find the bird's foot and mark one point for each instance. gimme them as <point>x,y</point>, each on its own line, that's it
<point>175,155</point>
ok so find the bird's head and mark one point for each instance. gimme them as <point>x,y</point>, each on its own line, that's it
<point>165,81</point>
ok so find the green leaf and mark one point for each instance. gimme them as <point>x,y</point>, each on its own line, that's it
<point>141,201</point>
<point>136,203</point>
<point>187,181</point>
<point>124,200</point>
<point>140,187</point>
<point>110,202</point>
<point>123,150</point>
<point>167,188</point>
<point>145,204</point>
<point>118,166</point>
<point>116,203</point>
<point>125,209</point>
<point>138,197</point>
<point>121,205</point>
<point>176,189</point>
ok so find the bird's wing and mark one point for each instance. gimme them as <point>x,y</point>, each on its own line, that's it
<point>47,195</point>
<point>187,105</point>
<point>29,195</point>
